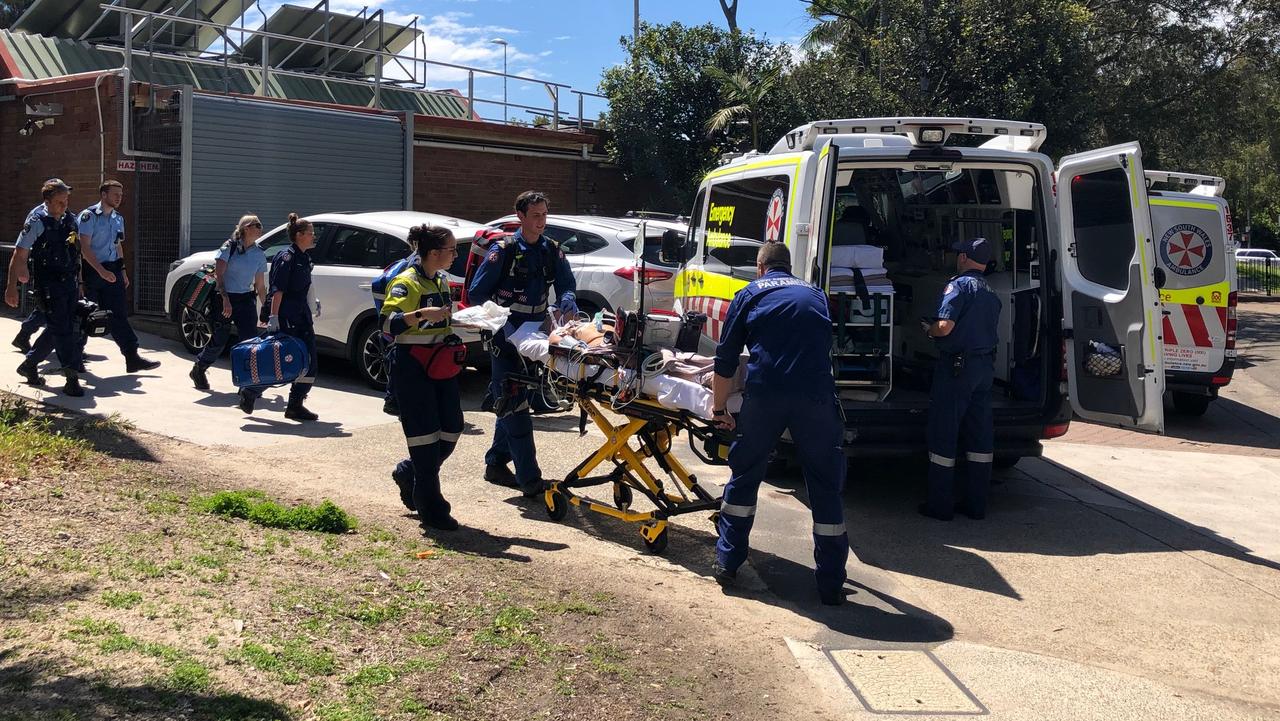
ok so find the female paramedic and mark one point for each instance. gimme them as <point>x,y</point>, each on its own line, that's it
<point>424,375</point>
<point>241,271</point>
<point>291,311</point>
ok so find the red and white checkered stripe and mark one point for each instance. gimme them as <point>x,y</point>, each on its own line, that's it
<point>1189,324</point>
<point>715,309</point>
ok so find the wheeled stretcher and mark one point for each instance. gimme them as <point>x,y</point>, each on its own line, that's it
<point>647,431</point>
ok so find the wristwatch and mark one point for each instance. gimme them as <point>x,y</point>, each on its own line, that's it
<point>717,412</point>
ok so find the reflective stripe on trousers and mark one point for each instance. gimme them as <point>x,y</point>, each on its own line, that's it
<point>960,419</point>
<point>431,417</point>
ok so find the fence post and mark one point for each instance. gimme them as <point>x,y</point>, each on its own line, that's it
<point>471,93</point>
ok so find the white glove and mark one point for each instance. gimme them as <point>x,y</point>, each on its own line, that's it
<point>273,324</point>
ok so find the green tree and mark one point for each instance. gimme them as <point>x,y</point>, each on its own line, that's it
<point>662,98</point>
<point>746,97</point>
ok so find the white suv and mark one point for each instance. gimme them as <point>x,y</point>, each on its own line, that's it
<point>351,250</point>
<point>1257,254</point>
<point>601,252</point>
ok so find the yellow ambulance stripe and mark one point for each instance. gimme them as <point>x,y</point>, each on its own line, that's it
<point>712,285</point>
<point>1142,252</point>
<point>1185,204</point>
<point>1188,296</point>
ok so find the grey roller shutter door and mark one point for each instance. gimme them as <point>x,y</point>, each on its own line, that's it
<point>271,159</point>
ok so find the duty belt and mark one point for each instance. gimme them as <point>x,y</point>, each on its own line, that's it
<point>522,308</point>
<point>114,265</point>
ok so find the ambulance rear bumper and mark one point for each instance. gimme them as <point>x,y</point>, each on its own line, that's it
<point>1195,383</point>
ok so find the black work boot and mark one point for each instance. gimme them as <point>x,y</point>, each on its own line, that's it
<point>31,374</point>
<point>831,596</point>
<point>22,342</point>
<point>403,477</point>
<point>723,576</point>
<point>296,412</point>
<point>441,523</point>
<point>72,388</point>
<point>198,377</point>
<point>500,475</point>
<point>246,403</point>
<point>134,363</point>
<point>390,407</point>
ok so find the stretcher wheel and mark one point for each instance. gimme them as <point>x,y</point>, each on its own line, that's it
<point>658,544</point>
<point>557,505</point>
<point>622,496</point>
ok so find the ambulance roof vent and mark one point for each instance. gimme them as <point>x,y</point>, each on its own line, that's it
<point>1007,134</point>
<point>1210,185</point>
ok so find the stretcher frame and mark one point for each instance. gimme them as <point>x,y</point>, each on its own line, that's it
<point>654,429</point>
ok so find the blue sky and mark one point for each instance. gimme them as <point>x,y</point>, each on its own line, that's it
<point>568,42</point>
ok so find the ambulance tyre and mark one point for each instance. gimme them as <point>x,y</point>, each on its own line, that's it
<point>557,505</point>
<point>1190,404</point>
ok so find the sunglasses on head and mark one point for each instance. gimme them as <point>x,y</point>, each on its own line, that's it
<point>253,225</point>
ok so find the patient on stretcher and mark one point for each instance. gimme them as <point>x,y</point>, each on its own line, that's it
<point>582,334</point>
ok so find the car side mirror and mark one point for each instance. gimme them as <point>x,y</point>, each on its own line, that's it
<point>672,252</point>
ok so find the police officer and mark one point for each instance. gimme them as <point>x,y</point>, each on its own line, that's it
<point>416,313</point>
<point>518,274</point>
<point>50,239</point>
<point>32,323</point>
<point>291,311</point>
<point>103,274</point>
<point>240,268</point>
<point>960,407</point>
<point>785,325</point>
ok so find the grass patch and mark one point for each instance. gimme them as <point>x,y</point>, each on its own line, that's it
<point>290,663</point>
<point>434,639</point>
<point>29,445</point>
<point>512,626</point>
<point>189,675</point>
<point>378,674</point>
<point>84,630</point>
<point>121,599</point>
<point>605,657</point>
<point>255,507</point>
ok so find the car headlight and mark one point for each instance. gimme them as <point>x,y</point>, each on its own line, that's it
<point>174,265</point>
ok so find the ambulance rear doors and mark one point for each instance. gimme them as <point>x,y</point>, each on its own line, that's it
<point>1193,250</point>
<point>1111,309</point>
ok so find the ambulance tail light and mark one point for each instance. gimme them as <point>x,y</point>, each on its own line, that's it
<point>1057,430</point>
<point>650,274</point>
<point>1220,380</point>
<point>1232,300</point>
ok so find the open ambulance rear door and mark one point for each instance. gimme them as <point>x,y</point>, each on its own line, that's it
<point>1111,306</point>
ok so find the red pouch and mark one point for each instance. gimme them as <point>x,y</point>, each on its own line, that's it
<point>441,361</point>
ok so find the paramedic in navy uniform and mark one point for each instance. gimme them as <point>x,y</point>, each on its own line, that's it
<point>104,277</point>
<point>518,274</point>
<point>960,407</point>
<point>291,311</point>
<point>785,325</point>
<point>49,239</point>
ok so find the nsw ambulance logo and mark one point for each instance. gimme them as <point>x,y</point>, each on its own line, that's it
<point>1185,249</point>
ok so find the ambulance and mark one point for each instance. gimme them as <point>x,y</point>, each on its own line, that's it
<point>870,208</point>
<point>1195,250</point>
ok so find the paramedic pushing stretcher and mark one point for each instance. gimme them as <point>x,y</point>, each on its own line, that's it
<point>966,331</point>
<point>785,324</point>
<point>518,274</point>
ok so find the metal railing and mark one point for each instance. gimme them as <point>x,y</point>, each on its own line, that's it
<point>1258,275</point>
<point>134,21</point>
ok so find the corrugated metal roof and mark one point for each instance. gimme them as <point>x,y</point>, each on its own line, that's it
<point>42,58</point>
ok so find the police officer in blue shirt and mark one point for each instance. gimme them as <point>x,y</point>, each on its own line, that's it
<point>786,326</point>
<point>50,240</point>
<point>32,323</point>
<point>518,274</point>
<point>291,311</point>
<point>240,268</point>
<point>104,277</point>
<point>966,331</point>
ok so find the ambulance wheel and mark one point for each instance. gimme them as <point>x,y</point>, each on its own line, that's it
<point>195,328</point>
<point>1191,405</point>
<point>557,505</point>
<point>622,496</point>
<point>658,544</point>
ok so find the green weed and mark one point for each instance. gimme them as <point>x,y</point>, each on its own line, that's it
<point>254,507</point>
<point>189,675</point>
<point>121,599</point>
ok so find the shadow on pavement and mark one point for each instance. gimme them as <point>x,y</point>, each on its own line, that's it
<point>867,613</point>
<point>479,542</point>
<point>42,689</point>
<point>1227,422</point>
<point>284,427</point>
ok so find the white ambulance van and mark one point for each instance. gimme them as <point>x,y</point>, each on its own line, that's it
<point>870,208</point>
<point>1195,250</point>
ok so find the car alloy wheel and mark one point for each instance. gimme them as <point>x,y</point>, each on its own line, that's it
<point>373,357</point>
<point>197,331</point>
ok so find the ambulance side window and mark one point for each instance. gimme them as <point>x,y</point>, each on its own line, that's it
<point>694,247</point>
<point>741,216</point>
<point>1103,224</point>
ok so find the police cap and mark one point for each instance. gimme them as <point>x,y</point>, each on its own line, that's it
<point>978,249</point>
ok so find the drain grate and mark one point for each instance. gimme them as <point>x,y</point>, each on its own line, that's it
<point>903,682</point>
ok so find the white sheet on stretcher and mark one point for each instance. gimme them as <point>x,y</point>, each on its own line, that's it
<point>669,392</point>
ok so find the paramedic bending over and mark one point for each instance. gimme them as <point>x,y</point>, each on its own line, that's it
<point>784,323</point>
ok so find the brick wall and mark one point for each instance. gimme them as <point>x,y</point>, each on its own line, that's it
<point>481,186</point>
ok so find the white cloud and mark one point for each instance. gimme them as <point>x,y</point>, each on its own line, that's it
<point>562,38</point>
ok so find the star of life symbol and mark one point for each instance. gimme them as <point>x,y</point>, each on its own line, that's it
<point>773,219</point>
<point>1186,249</point>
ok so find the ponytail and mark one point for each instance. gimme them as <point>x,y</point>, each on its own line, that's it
<point>297,225</point>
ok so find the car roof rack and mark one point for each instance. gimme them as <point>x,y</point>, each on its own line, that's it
<point>1210,185</point>
<point>1009,134</point>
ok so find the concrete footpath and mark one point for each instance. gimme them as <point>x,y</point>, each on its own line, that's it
<point>1108,582</point>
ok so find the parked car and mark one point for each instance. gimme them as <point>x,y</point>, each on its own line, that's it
<point>1257,254</point>
<point>602,253</point>
<point>351,250</point>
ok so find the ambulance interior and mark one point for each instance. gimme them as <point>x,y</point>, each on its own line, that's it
<point>893,231</point>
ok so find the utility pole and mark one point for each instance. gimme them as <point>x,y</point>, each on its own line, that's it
<point>635,33</point>
<point>503,43</point>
